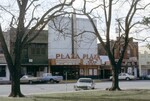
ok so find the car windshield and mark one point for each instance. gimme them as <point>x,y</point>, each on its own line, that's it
<point>29,75</point>
<point>26,76</point>
<point>85,80</point>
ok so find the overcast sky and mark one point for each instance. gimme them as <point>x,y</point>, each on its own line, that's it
<point>119,11</point>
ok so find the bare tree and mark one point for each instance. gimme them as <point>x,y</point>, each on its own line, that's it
<point>126,23</point>
<point>146,22</point>
<point>25,33</point>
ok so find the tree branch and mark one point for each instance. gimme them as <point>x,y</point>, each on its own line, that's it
<point>42,22</point>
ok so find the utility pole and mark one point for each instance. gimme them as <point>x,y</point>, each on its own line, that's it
<point>74,28</point>
<point>72,36</point>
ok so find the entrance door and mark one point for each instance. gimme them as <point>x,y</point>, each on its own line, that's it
<point>72,71</point>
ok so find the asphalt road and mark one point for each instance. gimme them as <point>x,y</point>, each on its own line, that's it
<point>28,89</point>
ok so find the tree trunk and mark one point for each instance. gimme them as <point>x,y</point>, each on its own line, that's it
<point>15,83</point>
<point>115,80</point>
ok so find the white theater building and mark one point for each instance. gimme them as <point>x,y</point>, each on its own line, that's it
<point>72,48</point>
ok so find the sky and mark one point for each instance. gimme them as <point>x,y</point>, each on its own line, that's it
<point>119,11</point>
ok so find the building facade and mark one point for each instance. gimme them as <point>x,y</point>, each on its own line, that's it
<point>4,71</point>
<point>144,63</point>
<point>130,61</point>
<point>72,49</point>
<point>34,55</point>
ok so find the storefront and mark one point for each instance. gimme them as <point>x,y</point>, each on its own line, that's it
<point>34,69</point>
<point>75,66</point>
<point>4,72</point>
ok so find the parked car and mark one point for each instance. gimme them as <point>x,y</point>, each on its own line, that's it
<point>29,79</point>
<point>48,77</point>
<point>124,76</point>
<point>145,77</point>
<point>85,84</point>
<point>148,76</point>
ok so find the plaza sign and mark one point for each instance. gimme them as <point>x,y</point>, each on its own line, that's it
<point>76,56</point>
<point>71,59</point>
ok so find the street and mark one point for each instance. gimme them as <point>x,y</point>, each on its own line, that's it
<point>28,89</point>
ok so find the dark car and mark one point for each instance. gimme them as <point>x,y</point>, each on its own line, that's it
<point>145,77</point>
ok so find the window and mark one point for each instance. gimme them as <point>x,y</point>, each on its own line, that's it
<point>43,51</point>
<point>148,71</point>
<point>2,71</point>
<point>1,50</point>
<point>81,71</point>
<point>93,72</point>
<point>38,49</point>
<point>90,72</point>
<point>148,63</point>
<point>33,50</point>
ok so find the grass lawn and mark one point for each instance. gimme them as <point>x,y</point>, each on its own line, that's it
<point>126,95</point>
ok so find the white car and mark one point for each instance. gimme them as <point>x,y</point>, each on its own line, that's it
<point>84,84</point>
<point>29,79</point>
<point>124,76</point>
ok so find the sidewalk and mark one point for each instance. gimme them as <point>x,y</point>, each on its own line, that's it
<point>74,81</point>
<point>5,82</point>
<point>64,81</point>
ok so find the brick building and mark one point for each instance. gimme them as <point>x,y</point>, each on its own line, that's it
<point>130,61</point>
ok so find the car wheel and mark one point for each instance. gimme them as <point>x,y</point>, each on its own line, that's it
<point>75,88</point>
<point>127,78</point>
<point>51,81</point>
<point>30,82</point>
<point>57,81</point>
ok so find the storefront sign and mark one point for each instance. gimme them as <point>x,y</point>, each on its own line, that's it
<point>71,59</point>
<point>91,62</point>
<point>67,61</point>
<point>76,56</point>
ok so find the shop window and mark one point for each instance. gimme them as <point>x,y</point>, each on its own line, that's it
<point>148,63</point>
<point>93,72</point>
<point>2,71</point>
<point>41,68</point>
<point>90,72</point>
<point>81,71</point>
<point>148,71</point>
<point>1,50</point>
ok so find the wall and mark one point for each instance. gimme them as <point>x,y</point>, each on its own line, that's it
<point>3,63</point>
<point>144,63</point>
<point>61,42</point>
<point>76,54</point>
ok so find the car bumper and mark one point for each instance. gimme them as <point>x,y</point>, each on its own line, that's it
<point>83,87</point>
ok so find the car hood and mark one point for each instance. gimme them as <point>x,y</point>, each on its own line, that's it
<point>84,84</point>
